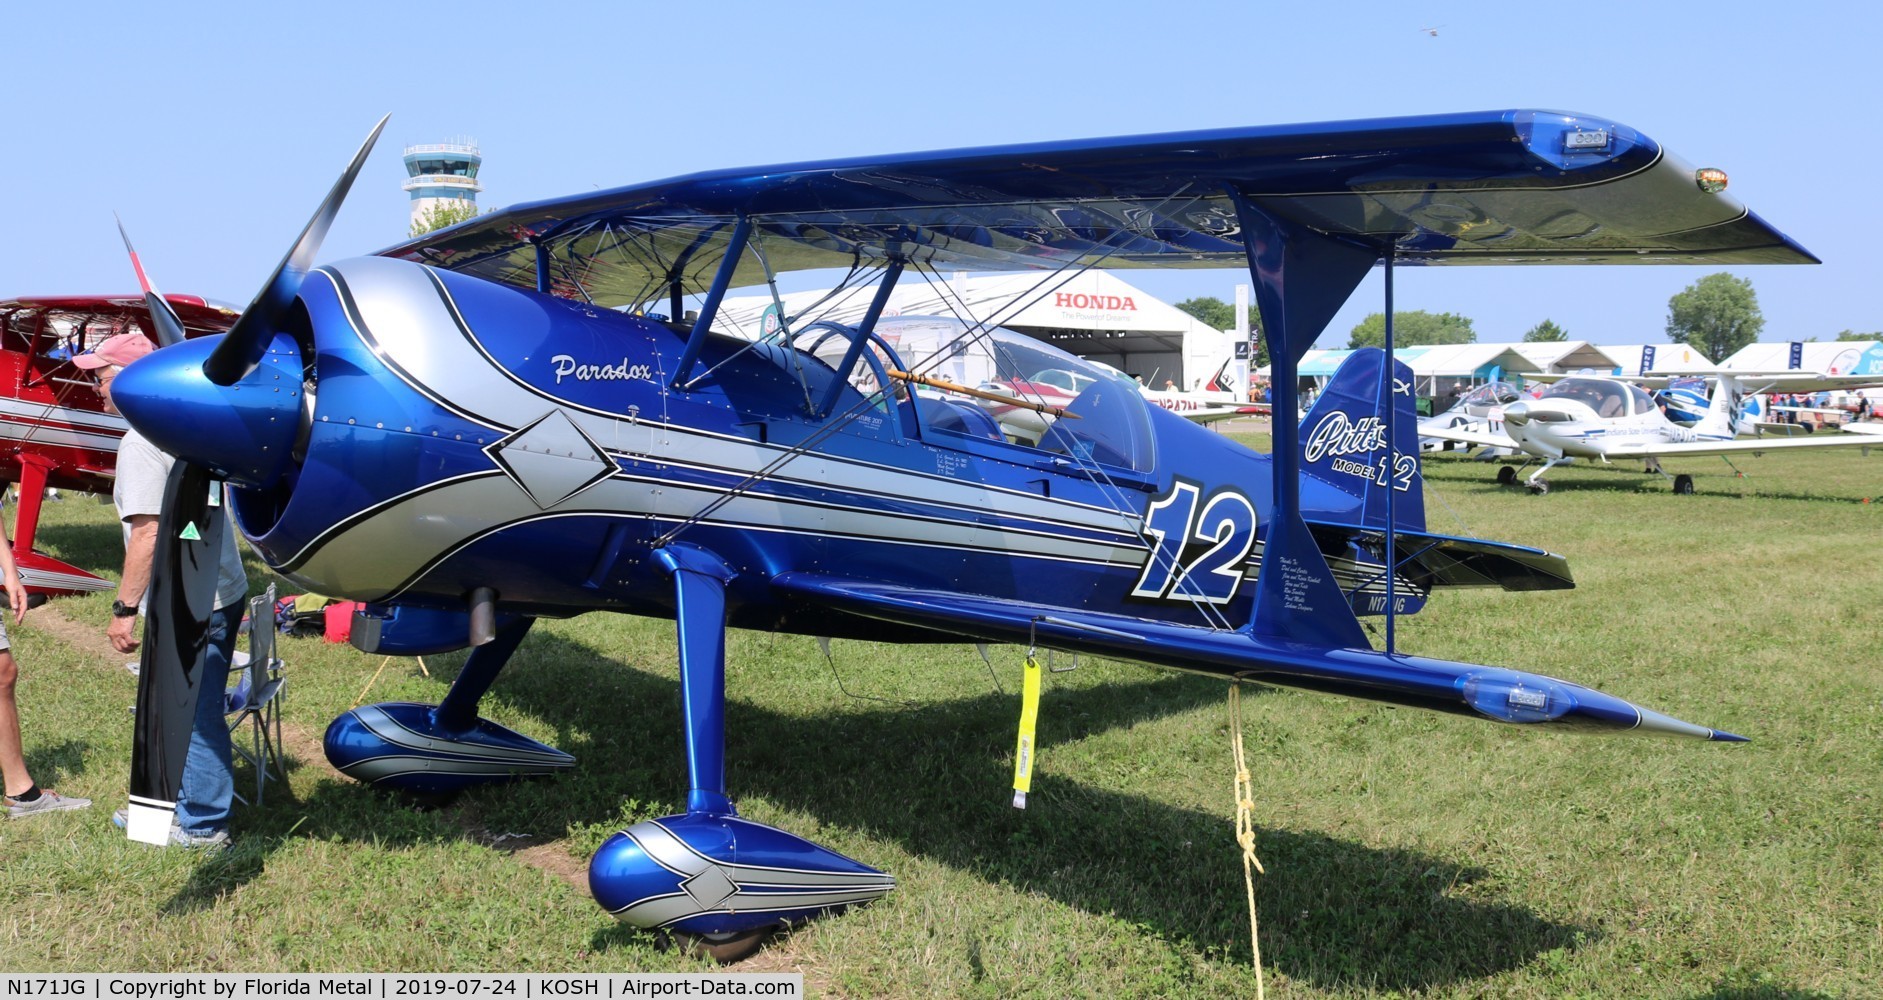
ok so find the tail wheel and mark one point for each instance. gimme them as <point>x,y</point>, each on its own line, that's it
<point>1539,488</point>
<point>1683,485</point>
<point>1506,475</point>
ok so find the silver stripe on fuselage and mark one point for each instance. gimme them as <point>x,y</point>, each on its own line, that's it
<point>450,368</point>
<point>395,295</point>
<point>391,294</point>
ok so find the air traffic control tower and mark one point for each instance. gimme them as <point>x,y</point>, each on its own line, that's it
<point>440,173</point>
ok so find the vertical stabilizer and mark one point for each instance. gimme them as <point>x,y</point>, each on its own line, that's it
<point>1343,444</point>
<point>1723,415</point>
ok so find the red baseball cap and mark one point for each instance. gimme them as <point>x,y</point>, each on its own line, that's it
<point>120,350</point>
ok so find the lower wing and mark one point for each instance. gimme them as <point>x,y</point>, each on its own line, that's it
<point>1857,439</point>
<point>1443,685</point>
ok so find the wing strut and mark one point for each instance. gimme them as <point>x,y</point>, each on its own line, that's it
<point>696,341</point>
<point>861,336</point>
<point>1388,372</point>
<point>1301,279</point>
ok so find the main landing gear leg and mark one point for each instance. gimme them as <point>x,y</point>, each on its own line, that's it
<point>1507,475</point>
<point>1535,483</point>
<point>458,711</point>
<point>710,876</point>
<point>699,580</point>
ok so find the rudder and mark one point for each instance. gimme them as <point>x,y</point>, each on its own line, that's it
<point>1343,447</point>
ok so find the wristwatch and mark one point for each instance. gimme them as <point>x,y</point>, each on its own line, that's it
<point>119,609</point>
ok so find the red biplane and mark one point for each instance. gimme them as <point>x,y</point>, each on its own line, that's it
<point>54,428</point>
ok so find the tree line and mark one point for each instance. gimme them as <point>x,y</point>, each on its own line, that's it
<point>1718,314</point>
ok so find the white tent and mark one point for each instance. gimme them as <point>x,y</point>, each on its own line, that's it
<point>1094,314</point>
<point>1639,359</point>
<point>1836,357</point>
<point>1431,364</point>
<point>1563,356</point>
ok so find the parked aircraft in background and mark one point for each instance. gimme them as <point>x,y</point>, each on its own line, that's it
<point>1478,412</point>
<point>467,433</point>
<point>1605,418</point>
<point>1211,401</point>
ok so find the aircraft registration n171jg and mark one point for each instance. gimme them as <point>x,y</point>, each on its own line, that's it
<point>508,420</point>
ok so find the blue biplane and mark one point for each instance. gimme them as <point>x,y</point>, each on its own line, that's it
<point>534,414</point>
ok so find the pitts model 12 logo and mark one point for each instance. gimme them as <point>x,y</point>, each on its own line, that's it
<point>1337,435</point>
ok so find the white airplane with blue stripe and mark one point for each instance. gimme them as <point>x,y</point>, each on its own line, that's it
<point>1605,419</point>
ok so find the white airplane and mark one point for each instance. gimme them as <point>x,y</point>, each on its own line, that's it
<point>1604,418</point>
<point>1480,411</point>
<point>1206,404</point>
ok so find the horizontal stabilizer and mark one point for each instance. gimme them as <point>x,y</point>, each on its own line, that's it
<point>1428,560</point>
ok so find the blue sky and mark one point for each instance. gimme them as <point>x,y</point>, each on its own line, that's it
<point>214,129</point>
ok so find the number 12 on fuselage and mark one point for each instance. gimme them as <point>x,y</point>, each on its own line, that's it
<point>1176,524</point>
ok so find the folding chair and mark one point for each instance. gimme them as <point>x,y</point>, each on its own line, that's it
<point>259,702</point>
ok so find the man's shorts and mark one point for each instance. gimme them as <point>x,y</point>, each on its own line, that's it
<point>4,644</point>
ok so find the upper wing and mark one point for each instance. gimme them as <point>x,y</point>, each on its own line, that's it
<point>199,315</point>
<point>1505,187</point>
<point>1861,439</point>
<point>1648,381</point>
<point>1793,383</point>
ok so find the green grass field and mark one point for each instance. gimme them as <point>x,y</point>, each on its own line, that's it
<point>1409,854</point>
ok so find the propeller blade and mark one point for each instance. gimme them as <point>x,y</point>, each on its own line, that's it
<point>242,348</point>
<point>164,321</point>
<point>181,600</point>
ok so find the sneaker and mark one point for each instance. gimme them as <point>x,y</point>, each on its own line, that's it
<point>49,801</point>
<point>178,838</point>
<point>209,841</point>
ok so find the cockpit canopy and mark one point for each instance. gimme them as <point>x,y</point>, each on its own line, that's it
<point>991,383</point>
<point>1491,394</point>
<point>1608,398</point>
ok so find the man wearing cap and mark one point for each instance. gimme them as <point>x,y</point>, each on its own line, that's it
<point>203,804</point>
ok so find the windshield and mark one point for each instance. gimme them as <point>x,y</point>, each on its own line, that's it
<point>1492,394</point>
<point>1031,393</point>
<point>1607,399</point>
<point>994,384</point>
